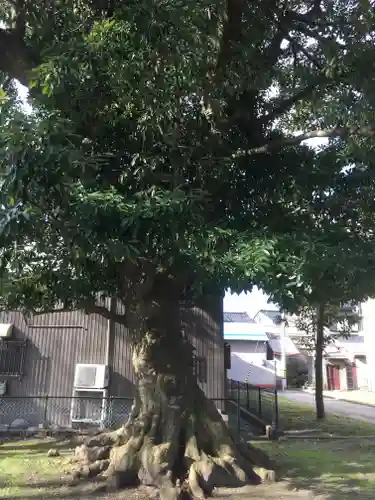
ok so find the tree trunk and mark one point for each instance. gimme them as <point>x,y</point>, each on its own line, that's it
<point>174,440</point>
<point>319,345</point>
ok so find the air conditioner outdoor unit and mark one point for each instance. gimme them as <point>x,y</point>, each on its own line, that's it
<point>6,330</point>
<point>89,407</point>
<point>89,376</point>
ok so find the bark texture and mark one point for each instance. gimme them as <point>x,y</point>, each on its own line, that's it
<point>319,346</point>
<point>174,441</point>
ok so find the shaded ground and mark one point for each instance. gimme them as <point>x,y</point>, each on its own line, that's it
<point>340,469</point>
<point>337,470</point>
<point>27,473</point>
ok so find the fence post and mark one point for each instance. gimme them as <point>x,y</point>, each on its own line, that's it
<point>247,396</point>
<point>260,401</point>
<point>45,411</point>
<point>238,408</point>
<point>276,410</point>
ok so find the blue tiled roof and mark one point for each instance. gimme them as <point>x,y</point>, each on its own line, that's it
<point>237,317</point>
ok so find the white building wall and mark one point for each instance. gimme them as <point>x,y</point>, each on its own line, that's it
<point>248,360</point>
<point>249,350</point>
<point>362,373</point>
<point>368,325</point>
<point>343,376</point>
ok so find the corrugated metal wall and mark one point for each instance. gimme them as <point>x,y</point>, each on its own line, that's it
<point>204,328</point>
<point>58,341</point>
<point>122,374</point>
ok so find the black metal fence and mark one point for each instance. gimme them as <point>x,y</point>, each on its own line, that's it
<point>54,412</point>
<point>257,400</point>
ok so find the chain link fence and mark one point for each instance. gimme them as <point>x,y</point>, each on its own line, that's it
<point>54,412</point>
<point>64,412</point>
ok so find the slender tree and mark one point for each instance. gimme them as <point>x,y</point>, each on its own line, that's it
<point>319,277</point>
<point>152,167</point>
<point>323,325</point>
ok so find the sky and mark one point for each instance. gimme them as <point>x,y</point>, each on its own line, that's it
<point>247,302</point>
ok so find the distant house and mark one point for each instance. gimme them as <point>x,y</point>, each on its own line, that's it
<point>344,364</point>
<point>248,348</point>
<point>368,332</point>
<point>268,317</point>
<point>248,341</point>
<point>50,359</point>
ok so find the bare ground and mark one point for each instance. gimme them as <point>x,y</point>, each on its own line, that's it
<point>27,473</point>
<point>282,490</point>
<point>278,491</point>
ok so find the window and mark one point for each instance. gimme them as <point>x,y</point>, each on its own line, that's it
<point>12,357</point>
<point>200,368</point>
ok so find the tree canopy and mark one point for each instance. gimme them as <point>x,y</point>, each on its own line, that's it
<point>162,158</point>
<point>162,155</point>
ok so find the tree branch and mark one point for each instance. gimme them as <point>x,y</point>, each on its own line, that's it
<point>310,16</point>
<point>106,313</point>
<point>89,308</point>
<point>20,22</point>
<point>231,31</point>
<point>15,58</point>
<point>343,132</point>
<point>287,103</point>
<point>305,52</point>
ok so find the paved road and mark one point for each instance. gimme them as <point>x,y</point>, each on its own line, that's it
<point>353,410</point>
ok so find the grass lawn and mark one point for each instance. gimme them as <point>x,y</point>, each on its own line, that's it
<point>339,470</point>
<point>27,472</point>
<point>296,416</point>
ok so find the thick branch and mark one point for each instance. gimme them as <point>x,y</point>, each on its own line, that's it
<point>305,52</point>
<point>309,17</point>
<point>313,134</point>
<point>106,313</point>
<point>20,22</point>
<point>286,104</point>
<point>15,57</point>
<point>89,308</point>
<point>231,31</point>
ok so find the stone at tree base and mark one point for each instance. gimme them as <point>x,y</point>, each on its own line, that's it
<point>53,453</point>
<point>266,475</point>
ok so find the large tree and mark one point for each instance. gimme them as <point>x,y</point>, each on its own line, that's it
<point>152,167</point>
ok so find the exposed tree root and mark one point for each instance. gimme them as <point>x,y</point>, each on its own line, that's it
<point>195,454</point>
<point>175,441</point>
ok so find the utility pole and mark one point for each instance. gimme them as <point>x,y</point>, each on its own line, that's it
<point>283,354</point>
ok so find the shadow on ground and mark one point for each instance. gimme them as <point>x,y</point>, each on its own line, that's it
<point>54,489</point>
<point>27,446</point>
<point>337,469</point>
